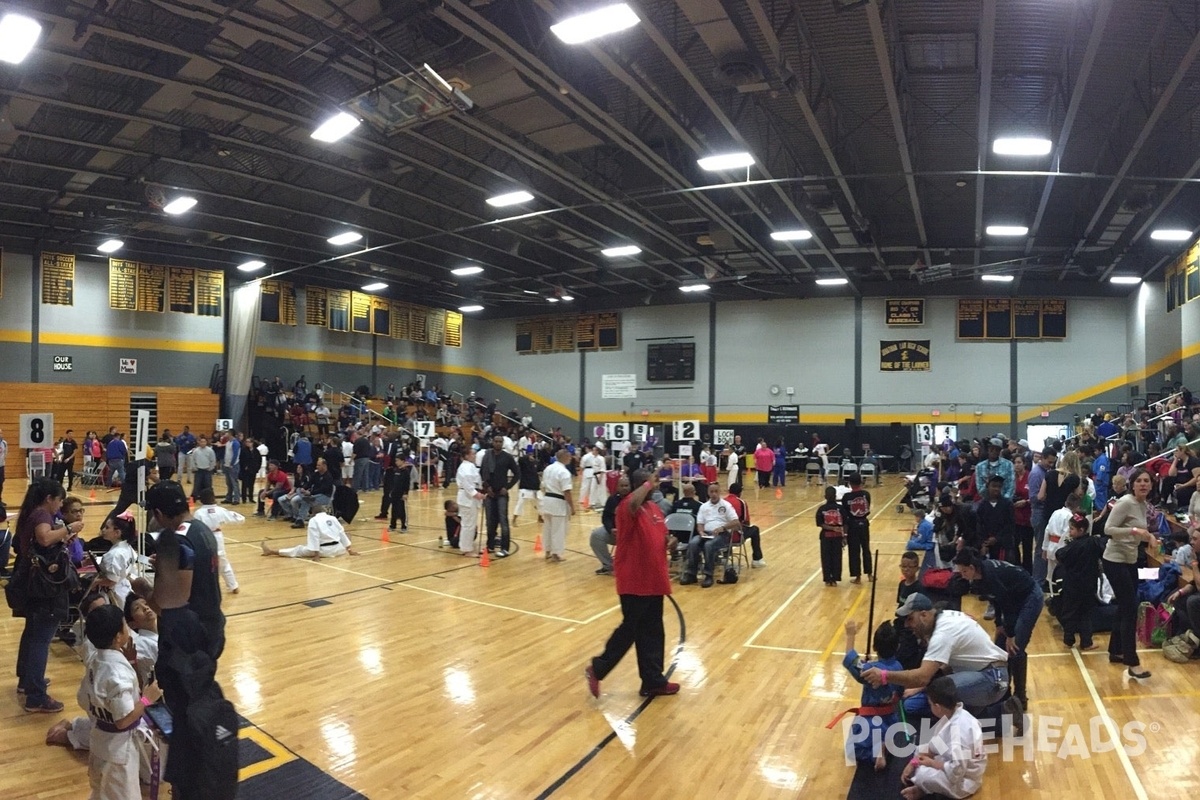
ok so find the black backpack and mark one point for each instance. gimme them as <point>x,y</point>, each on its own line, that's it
<point>731,575</point>
<point>213,729</point>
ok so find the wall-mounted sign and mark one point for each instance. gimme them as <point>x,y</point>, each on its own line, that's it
<point>782,415</point>
<point>904,356</point>
<point>905,311</point>
<point>128,366</point>
<point>616,387</point>
<point>62,364</point>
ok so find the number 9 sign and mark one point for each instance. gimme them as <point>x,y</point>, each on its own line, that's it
<point>37,431</point>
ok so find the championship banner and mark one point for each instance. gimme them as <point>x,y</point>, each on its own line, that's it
<point>904,356</point>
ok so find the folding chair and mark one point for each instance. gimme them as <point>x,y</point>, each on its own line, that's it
<point>93,473</point>
<point>680,522</point>
<point>867,470</point>
<point>812,469</point>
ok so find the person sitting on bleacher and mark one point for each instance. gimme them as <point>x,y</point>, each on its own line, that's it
<point>1181,648</point>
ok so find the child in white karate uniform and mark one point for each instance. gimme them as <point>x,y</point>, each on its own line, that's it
<point>952,762</point>
<point>214,516</point>
<point>116,566</point>
<point>110,694</point>
<point>326,539</point>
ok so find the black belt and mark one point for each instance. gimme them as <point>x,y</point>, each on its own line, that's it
<point>330,544</point>
<point>108,727</point>
<point>555,496</point>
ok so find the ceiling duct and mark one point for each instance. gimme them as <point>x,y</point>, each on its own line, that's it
<point>742,71</point>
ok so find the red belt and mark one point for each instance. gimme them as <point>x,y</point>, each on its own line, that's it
<point>863,711</point>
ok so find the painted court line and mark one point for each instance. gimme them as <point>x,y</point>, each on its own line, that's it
<point>1139,791</point>
<point>784,649</point>
<point>775,614</point>
<point>490,605</point>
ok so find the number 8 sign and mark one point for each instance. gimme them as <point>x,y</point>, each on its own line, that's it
<point>37,431</point>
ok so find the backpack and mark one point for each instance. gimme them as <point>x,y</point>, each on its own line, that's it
<point>1157,591</point>
<point>730,576</point>
<point>213,729</point>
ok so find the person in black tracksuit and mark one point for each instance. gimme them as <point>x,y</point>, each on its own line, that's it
<point>401,485</point>
<point>394,452</point>
<point>1079,568</point>
<point>833,537</point>
<point>996,523</point>
<point>249,464</point>
<point>856,512</point>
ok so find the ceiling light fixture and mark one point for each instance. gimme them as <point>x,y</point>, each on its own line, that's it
<point>1021,146</point>
<point>551,299</point>
<point>695,287</point>
<point>252,265</point>
<point>832,281</point>
<point>111,246</point>
<point>797,235</point>
<point>334,128</point>
<point>1007,230</point>
<point>510,199</point>
<point>997,278</point>
<point>726,161</point>
<point>345,238</point>
<point>622,250</point>
<point>473,269</point>
<point>1170,235</point>
<point>1129,280</point>
<point>566,298</point>
<point>180,205</point>
<point>594,24</point>
<point>375,287</point>
<point>470,308</point>
<point>18,35</point>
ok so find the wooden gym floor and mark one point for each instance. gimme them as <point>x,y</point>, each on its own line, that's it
<point>425,675</point>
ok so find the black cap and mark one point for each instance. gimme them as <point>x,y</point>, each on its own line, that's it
<point>945,500</point>
<point>915,602</point>
<point>167,497</point>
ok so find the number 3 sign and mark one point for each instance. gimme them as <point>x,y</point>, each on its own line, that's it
<point>37,431</point>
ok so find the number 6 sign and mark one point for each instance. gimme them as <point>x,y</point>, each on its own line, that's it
<point>37,431</point>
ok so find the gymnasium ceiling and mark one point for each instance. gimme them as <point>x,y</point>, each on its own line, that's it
<point>871,125</point>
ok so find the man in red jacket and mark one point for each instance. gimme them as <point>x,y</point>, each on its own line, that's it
<point>640,568</point>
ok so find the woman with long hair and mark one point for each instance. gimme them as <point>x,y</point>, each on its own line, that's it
<point>1126,528</point>
<point>38,534</point>
<point>1022,516</point>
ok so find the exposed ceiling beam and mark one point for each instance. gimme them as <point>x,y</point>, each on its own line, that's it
<point>987,42</point>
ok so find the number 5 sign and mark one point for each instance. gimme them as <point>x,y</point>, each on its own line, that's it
<point>37,431</point>
<point>686,430</point>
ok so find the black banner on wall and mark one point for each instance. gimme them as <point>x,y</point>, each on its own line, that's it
<point>783,415</point>
<point>905,311</point>
<point>904,355</point>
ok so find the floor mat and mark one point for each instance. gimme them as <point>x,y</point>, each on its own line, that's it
<point>269,771</point>
<point>871,785</point>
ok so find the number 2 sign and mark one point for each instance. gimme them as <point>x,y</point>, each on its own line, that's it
<point>37,431</point>
<point>686,430</point>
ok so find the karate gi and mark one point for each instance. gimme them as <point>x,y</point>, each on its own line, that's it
<point>109,692</point>
<point>326,538</point>
<point>116,566</point>
<point>556,480</point>
<point>214,516</point>
<point>956,741</point>
<point>469,501</point>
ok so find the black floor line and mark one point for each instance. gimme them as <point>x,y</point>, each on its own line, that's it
<point>595,751</point>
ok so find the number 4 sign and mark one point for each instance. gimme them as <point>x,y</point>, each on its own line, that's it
<point>37,431</point>
<point>686,430</point>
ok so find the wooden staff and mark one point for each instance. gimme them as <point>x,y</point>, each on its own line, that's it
<point>871,611</point>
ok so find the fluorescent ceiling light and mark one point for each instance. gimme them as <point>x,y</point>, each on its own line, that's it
<point>180,205</point>
<point>551,299</point>
<point>832,281</point>
<point>449,89</point>
<point>469,309</point>
<point>566,298</point>
<point>528,291</point>
<point>726,161</point>
<point>510,199</point>
<point>1170,235</point>
<point>1021,146</point>
<point>594,24</point>
<point>695,287</point>
<point>345,238</point>
<point>1125,279</point>
<point>1007,230</point>
<point>18,35</point>
<point>623,250</point>
<point>111,246</point>
<point>798,235</point>
<point>473,269</point>
<point>335,127</point>
<point>252,265</point>
<point>997,278</point>
<point>375,287</point>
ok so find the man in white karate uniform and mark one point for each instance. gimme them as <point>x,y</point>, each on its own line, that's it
<point>557,505</point>
<point>326,539</point>
<point>589,466</point>
<point>470,500</point>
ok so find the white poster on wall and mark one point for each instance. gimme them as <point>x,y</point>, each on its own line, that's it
<point>618,387</point>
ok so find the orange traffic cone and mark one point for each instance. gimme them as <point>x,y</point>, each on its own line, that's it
<point>537,544</point>
<point>778,493</point>
<point>484,559</point>
<point>383,536</point>
<point>92,494</point>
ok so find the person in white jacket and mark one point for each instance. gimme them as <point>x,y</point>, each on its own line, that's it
<point>214,516</point>
<point>326,539</point>
<point>953,761</point>
<point>470,499</point>
<point>1057,533</point>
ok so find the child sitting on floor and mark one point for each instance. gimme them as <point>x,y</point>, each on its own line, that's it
<point>453,523</point>
<point>952,762</point>
<point>921,538</point>
<point>877,710</point>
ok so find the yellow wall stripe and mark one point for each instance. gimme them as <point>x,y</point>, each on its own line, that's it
<point>130,343</point>
<point>18,337</point>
